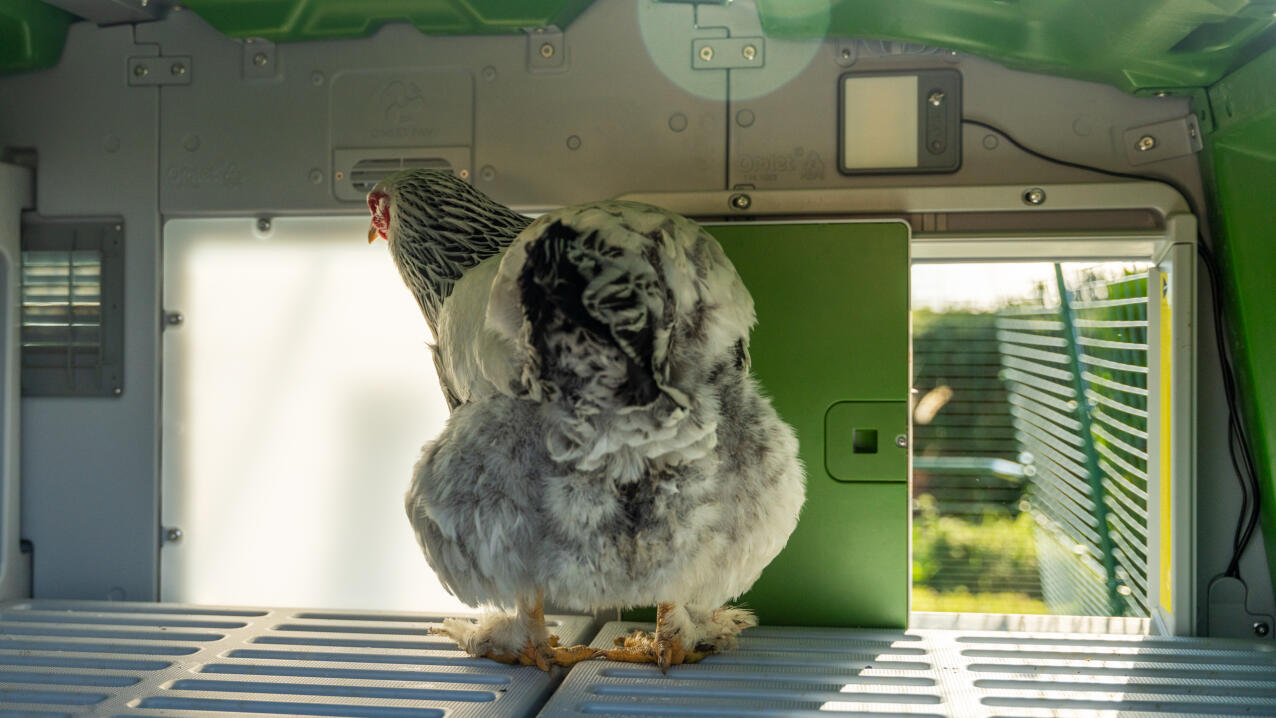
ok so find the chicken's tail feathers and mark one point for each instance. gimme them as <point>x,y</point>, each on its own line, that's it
<point>622,313</point>
<point>598,314</point>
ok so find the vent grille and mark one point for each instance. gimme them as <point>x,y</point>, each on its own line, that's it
<point>367,173</point>
<point>71,324</point>
<point>62,309</point>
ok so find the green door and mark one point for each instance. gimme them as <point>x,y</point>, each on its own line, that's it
<point>832,350</point>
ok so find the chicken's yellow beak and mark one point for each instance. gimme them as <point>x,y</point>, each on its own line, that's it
<point>372,233</point>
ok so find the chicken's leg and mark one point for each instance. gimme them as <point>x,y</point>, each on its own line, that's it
<point>683,635</point>
<point>521,639</point>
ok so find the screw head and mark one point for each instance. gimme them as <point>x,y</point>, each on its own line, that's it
<point>936,98</point>
<point>464,174</point>
<point>901,441</point>
<point>339,175</point>
<point>174,319</point>
<point>260,59</point>
<point>140,71</point>
<point>1261,629</point>
<point>263,224</point>
<point>741,201</point>
<point>1034,196</point>
<point>845,53</point>
<point>749,52</point>
<point>178,69</point>
<point>573,142</point>
<point>547,50</point>
<point>172,534</point>
<point>488,173</point>
<point>1146,142</point>
<point>118,391</point>
<point>317,78</point>
<point>706,53</point>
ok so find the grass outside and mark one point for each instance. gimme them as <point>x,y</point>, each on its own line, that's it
<point>963,601</point>
<point>974,565</point>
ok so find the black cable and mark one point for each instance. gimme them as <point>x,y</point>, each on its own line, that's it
<point>1238,446</point>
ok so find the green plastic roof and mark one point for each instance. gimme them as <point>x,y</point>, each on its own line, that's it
<point>1135,45</point>
<point>294,20</point>
<point>31,34</point>
<point>1130,44</point>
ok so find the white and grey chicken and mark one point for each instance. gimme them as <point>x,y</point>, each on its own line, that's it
<point>608,446</point>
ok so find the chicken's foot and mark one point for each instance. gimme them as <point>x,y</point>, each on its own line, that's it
<point>496,637</point>
<point>663,648</point>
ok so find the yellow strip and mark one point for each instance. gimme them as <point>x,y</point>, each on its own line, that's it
<point>1167,351</point>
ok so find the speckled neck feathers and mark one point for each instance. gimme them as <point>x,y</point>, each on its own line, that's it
<point>440,227</point>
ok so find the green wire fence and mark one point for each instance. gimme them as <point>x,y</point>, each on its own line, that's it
<point>1076,372</point>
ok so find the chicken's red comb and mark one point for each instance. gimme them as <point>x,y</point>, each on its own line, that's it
<point>379,205</point>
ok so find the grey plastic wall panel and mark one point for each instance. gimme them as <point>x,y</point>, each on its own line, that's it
<point>777,671</point>
<point>636,128</point>
<point>775,145</point>
<point>138,659</point>
<point>90,466</point>
<point>232,143</point>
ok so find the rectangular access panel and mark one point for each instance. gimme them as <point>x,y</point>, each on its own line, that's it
<point>832,350</point>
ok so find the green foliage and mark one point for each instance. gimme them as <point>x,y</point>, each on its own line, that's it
<point>984,556</point>
<point>963,601</point>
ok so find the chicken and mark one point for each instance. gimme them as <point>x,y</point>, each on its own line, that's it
<point>608,446</point>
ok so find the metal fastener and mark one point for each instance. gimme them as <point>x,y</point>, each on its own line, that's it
<point>140,71</point>
<point>118,391</point>
<point>845,53</point>
<point>178,69</point>
<point>547,50</point>
<point>260,59</point>
<point>172,534</point>
<point>741,201</point>
<point>339,175</point>
<point>1036,195</point>
<point>1146,142</point>
<point>263,224</point>
<point>488,173</point>
<point>936,98</point>
<point>706,53</point>
<point>901,441</point>
<point>749,52</point>
<point>173,319</point>
<point>464,174</point>
<point>1261,629</point>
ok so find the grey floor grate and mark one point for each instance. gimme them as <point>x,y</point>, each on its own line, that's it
<point>64,658</point>
<point>935,672</point>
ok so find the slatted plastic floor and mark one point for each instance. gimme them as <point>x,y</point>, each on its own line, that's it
<point>935,673</point>
<point>62,658</point>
